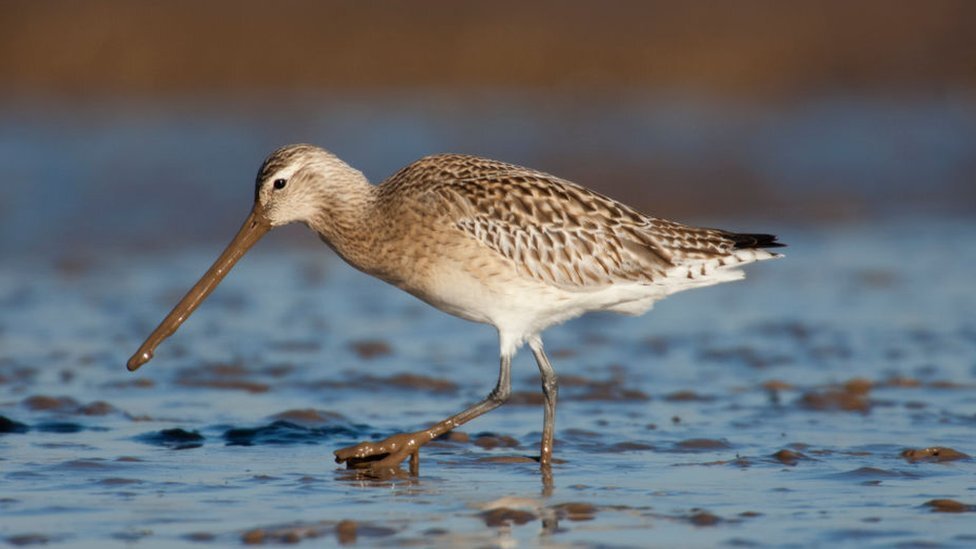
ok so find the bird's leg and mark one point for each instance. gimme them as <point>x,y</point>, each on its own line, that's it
<point>388,453</point>
<point>550,389</point>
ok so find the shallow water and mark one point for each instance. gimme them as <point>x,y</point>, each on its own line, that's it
<point>671,427</point>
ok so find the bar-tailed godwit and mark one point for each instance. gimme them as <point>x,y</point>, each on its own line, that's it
<point>487,241</point>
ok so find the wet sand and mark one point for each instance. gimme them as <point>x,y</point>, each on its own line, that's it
<point>828,399</point>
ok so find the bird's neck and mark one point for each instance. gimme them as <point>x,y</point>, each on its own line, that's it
<point>343,219</point>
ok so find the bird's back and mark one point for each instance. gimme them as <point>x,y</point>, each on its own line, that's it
<point>561,233</point>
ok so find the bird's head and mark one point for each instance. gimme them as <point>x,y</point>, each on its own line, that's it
<point>296,182</point>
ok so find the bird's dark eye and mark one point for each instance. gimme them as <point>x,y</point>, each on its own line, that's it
<point>280,183</point>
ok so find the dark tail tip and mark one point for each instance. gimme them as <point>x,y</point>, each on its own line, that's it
<point>744,240</point>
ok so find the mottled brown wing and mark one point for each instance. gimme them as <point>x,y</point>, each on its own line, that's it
<point>556,231</point>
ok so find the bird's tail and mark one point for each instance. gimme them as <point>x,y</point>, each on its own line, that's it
<point>754,240</point>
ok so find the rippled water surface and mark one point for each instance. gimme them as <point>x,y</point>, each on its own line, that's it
<point>793,408</point>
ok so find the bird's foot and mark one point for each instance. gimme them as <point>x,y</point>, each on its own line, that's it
<point>383,457</point>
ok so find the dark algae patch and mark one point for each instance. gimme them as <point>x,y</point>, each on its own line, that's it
<point>372,348</point>
<point>687,395</point>
<point>700,517</point>
<point>286,432</point>
<point>56,404</point>
<point>505,516</point>
<point>491,440</point>
<point>176,439</point>
<point>8,425</point>
<point>949,506</point>
<point>23,540</point>
<point>789,457</point>
<point>400,381</point>
<point>67,406</point>
<point>852,396</point>
<point>700,445</point>
<point>576,511</point>
<point>345,532</point>
<point>934,453</point>
<point>309,416</point>
<point>59,427</point>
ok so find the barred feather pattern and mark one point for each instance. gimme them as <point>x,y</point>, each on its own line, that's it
<point>560,233</point>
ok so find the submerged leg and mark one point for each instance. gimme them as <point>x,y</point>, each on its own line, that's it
<point>388,453</point>
<point>550,390</point>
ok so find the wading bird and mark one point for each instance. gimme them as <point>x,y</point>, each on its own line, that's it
<point>484,240</point>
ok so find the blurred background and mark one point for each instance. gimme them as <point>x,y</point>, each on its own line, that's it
<point>130,135</point>
<point>128,125</point>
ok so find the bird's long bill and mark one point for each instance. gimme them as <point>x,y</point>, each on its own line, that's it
<point>255,226</point>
